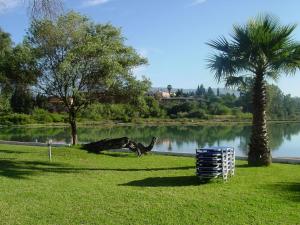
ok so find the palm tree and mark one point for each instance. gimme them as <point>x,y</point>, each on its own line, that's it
<point>260,50</point>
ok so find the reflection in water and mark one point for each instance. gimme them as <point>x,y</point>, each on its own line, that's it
<point>284,137</point>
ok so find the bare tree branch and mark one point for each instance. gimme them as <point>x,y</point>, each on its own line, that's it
<point>48,9</point>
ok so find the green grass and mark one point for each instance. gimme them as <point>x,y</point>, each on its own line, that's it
<point>113,188</point>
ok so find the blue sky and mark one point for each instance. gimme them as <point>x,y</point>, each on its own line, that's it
<point>170,33</point>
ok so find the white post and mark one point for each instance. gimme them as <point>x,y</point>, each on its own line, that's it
<point>50,150</point>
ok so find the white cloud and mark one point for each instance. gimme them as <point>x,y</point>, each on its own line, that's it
<point>89,3</point>
<point>9,4</point>
<point>197,2</point>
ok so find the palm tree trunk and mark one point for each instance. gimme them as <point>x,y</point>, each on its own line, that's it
<point>259,152</point>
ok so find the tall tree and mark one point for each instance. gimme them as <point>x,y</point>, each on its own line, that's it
<point>6,48</point>
<point>202,90</point>
<point>18,71</point>
<point>169,87</point>
<point>21,74</point>
<point>261,49</point>
<point>210,93</point>
<point>197,90</point>
<point>80,60</point>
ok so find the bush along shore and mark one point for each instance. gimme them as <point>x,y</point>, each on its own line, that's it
<point>43,118</point>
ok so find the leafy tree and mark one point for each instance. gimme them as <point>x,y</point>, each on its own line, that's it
<point>21,100</point>
<point>80,61</point>
<point>21,74</point>
<point>18,71</point>
<point>22,70</point>
<point>41,101</point>
<point>154,108</point>
<point>275,107</point>
<point>261,49</point>
<point>290,106</point>
<point>5,53</point>
<point>245,98</point>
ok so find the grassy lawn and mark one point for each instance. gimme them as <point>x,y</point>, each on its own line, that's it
<point>113,188</point>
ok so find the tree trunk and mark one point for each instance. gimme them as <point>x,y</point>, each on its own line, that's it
<point>72,121</point>
<point>259,152</point>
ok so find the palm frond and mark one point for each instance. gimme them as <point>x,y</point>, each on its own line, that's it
<point>262,45</point>
<point>235,81</point>
<point>221,44</point>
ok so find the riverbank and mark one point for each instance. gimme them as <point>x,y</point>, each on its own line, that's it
<point>288,160</point>
<point>119,188</point>
<point>152,122</point>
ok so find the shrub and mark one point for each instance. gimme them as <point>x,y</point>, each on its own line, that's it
<point>15,119</point>
<point>99,111</point>
<point>199,113</point>
<point>219,109</point>
<point>93,112</point>
<point>154,110</point>
<point>236,111</point>
<point>4,104</point>
<point>43,116</point>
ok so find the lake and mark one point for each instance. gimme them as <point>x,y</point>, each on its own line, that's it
<point>284,137</point>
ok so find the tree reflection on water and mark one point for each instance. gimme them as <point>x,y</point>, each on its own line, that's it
<point>171,138</point>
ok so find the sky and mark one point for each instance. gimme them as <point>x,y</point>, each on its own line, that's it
<point>172,34</point>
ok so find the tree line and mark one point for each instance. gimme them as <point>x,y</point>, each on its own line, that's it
<point>280,106</point>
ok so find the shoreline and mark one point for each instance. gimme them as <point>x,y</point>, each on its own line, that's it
<point>285,160</point>
<point>151,122</point>
<point>281,159</point>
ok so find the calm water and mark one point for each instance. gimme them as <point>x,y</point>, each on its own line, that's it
<point>284,138</point>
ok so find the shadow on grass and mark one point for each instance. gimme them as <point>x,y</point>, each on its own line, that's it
<point>14,152</point>
<point>146,169</point>
<point>117,155</point>
<point>22,169</point>
<point>12,168</point>
<point>243,166</point>
<point>249,166</point>
<point>179,181</point>
<point>290,190</point>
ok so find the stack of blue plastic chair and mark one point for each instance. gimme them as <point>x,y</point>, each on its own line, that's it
<point>215,162</point>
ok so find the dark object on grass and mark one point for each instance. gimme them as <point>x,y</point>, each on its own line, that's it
<point>139,148</point>
<point>106,144</point>
<point>119,143</point>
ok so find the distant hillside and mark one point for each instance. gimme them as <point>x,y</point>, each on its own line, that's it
<point>222,91</point>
